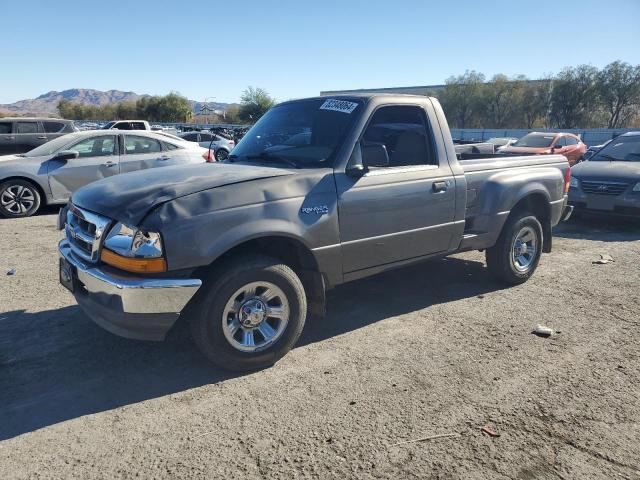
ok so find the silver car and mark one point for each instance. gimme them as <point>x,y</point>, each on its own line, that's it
<point>609,182</point>
<point>220,145</point>
<point>50,173</point>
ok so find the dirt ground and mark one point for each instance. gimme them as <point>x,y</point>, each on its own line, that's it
<point>434,349</point>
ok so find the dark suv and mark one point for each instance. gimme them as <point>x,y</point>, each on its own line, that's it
<point>19,135</point>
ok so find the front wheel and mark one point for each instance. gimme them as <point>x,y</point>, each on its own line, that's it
<point>516,254</point>
<point>249,314</point>
<point>18,198</point>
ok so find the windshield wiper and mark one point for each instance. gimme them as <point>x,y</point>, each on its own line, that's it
<point>275,158</point>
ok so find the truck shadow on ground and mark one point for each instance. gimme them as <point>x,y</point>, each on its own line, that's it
<point>600,228</point>
<point>56,365</point>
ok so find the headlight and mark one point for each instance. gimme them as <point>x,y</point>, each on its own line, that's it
<point>573,182</point>
<point>636,187</point>
<point>133,250</point>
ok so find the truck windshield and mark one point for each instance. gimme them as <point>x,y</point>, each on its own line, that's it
<point>304,133</point>
<point>535,141</point>
<point>623,149</point>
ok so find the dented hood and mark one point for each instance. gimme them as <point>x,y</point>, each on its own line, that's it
<point>129,197</point>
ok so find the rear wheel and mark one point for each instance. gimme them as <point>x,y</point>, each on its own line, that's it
<point>18,198</point>
<point>516,254</point>
<point>250,314</point>
<point>221,154</point>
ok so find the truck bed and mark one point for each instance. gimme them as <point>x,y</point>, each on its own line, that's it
<point>484,174</point>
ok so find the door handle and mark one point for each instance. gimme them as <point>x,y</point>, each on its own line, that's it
<point>10,138</point>
<point>43,137</point>
<point>439,186</point>
<point>109,164</point>
<point>163,158</point>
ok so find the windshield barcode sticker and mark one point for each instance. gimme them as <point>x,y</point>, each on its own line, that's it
<point>339,106</point>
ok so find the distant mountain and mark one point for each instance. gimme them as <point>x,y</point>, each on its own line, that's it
<point>47,103</point>
<point>211,107</point>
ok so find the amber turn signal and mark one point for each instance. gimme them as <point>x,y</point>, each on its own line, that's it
<point>135,265</point>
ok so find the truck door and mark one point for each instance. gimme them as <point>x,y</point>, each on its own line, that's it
<point>98,158</point>
<point>401,210</point>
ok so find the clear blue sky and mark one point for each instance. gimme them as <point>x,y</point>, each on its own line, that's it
<point>297,48</point>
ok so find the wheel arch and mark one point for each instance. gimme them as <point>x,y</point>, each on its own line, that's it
<point>44,200</point>
<point>536,202</point>
<point>291,251</point>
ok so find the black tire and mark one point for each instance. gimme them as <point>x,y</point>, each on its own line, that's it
<point>18,199</point>
<point>501,260</point>
<point>221,154</point>
<point>207,312</point>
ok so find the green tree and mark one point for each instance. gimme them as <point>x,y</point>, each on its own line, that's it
<point>461,98</point>
<point>232,115</point>
<point>533,103</point>
<point>618,86</point>
<point>170,108</point>
<point>574,98</point>
<point>499,98</point>
<point>254,103</point>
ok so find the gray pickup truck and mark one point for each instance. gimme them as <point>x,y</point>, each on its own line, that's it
<point>320,192</point>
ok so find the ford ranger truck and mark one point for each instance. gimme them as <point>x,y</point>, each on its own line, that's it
<point>319,192</point>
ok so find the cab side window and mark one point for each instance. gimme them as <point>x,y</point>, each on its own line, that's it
<point>571,141</point>
<point>561,142</point>
<point>404,133</point>
<point>5,127</point>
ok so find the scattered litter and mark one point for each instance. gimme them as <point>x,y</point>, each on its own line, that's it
<point>352,402</point>
<point>480,296</point>
<point>543,331</point>
<point>12,272</point>
<point>490,432</point>
<point>604,259</point>
<point>425,439</point>
<point>203,435</point>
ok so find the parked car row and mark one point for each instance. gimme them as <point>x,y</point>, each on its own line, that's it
<point>219,145</point>
<point>50,173</point>
<point>19,135</point>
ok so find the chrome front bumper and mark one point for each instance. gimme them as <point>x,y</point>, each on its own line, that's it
<point>133,307</point>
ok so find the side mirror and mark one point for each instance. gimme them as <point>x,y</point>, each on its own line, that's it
<point>66,155</point>
<point>375,155</point>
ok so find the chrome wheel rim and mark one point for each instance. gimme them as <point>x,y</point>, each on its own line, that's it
<point>17,199</point>
<point>221,154</point>
<point>255,316</point>
<point>524,249</point>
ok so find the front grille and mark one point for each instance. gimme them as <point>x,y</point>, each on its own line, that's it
<point>604,188</point>
<point>84,231</point>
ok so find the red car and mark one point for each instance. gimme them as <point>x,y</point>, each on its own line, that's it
<point>540,143</point>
